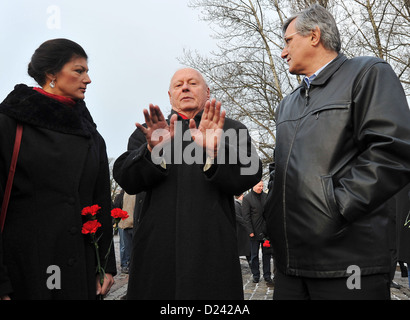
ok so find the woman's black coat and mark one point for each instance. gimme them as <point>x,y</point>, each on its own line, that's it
<point>62,167</point>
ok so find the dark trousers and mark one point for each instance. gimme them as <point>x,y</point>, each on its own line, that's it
<point>254,260</point>
<point>125,246</point>
<point>373,287</point>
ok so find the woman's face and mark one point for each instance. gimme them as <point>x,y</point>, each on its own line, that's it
<point>72,80</point>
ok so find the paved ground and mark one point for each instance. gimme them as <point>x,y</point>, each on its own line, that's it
<point>252,291</point>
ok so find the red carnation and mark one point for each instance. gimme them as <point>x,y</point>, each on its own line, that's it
<point>117,213</point>
<point>92,210</point>
<point>90,227</point>
<point>266,244</point>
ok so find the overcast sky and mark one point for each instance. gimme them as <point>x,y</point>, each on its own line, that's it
<point>132,48</point>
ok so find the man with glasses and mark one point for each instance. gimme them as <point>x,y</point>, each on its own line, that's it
<point>343,149</point>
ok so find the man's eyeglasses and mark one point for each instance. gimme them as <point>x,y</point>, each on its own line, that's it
<point>288,38</point>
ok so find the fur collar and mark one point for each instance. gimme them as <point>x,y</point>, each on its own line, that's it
<point>33,108</point>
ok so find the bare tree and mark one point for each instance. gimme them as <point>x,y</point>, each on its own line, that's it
<point>247,73</point>
<point>379,28</point>
<point>299,5</point>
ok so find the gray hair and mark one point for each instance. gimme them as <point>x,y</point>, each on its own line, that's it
<point>317,16</point>
<point>199,73</point>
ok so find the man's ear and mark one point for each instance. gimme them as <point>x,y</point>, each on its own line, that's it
<point>316,36</point>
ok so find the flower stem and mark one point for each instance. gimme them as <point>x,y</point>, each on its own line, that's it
<point>99,269</point>
<point>111,244</point>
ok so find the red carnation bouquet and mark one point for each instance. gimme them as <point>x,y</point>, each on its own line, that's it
<point>266,244</point>
<point>91,226</point>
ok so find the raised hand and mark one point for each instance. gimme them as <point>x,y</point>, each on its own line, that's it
<point>157,132</point>
<point>210,129</point>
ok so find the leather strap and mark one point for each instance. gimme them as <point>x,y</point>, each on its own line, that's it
<point>7,192</point>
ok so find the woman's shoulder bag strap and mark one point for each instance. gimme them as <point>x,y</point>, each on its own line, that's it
<point>7,192</point>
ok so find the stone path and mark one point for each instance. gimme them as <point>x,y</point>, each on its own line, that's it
<point>252,291</point>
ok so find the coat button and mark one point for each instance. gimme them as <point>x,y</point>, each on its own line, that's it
<point>71,201</point>
<point>73,231</point>
<point>71,262</point>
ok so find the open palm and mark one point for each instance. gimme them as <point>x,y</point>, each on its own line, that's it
<point>210,129</point>
<point>157,132</point>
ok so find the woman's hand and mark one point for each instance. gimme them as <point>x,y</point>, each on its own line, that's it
<point>108,282</point>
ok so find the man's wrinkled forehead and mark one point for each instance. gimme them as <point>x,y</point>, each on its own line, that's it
<point>187,74</point>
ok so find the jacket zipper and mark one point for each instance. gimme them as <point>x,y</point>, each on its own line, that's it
<point>307,96</point>
<point>284,194</point>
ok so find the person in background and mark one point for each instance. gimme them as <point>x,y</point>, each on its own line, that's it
<point>126,229</point>
<point>244,248</point>
<point>124,250</point>
<point>342,150</point>
<point>62,168</point>
<point>252,210</point>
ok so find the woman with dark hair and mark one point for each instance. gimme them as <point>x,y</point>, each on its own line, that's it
<point>62,168</point>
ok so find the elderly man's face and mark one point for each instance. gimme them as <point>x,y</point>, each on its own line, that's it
<point>188,92</point>
<point>259,187</point>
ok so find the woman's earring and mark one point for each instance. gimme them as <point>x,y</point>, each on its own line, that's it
<point>52,84</point>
